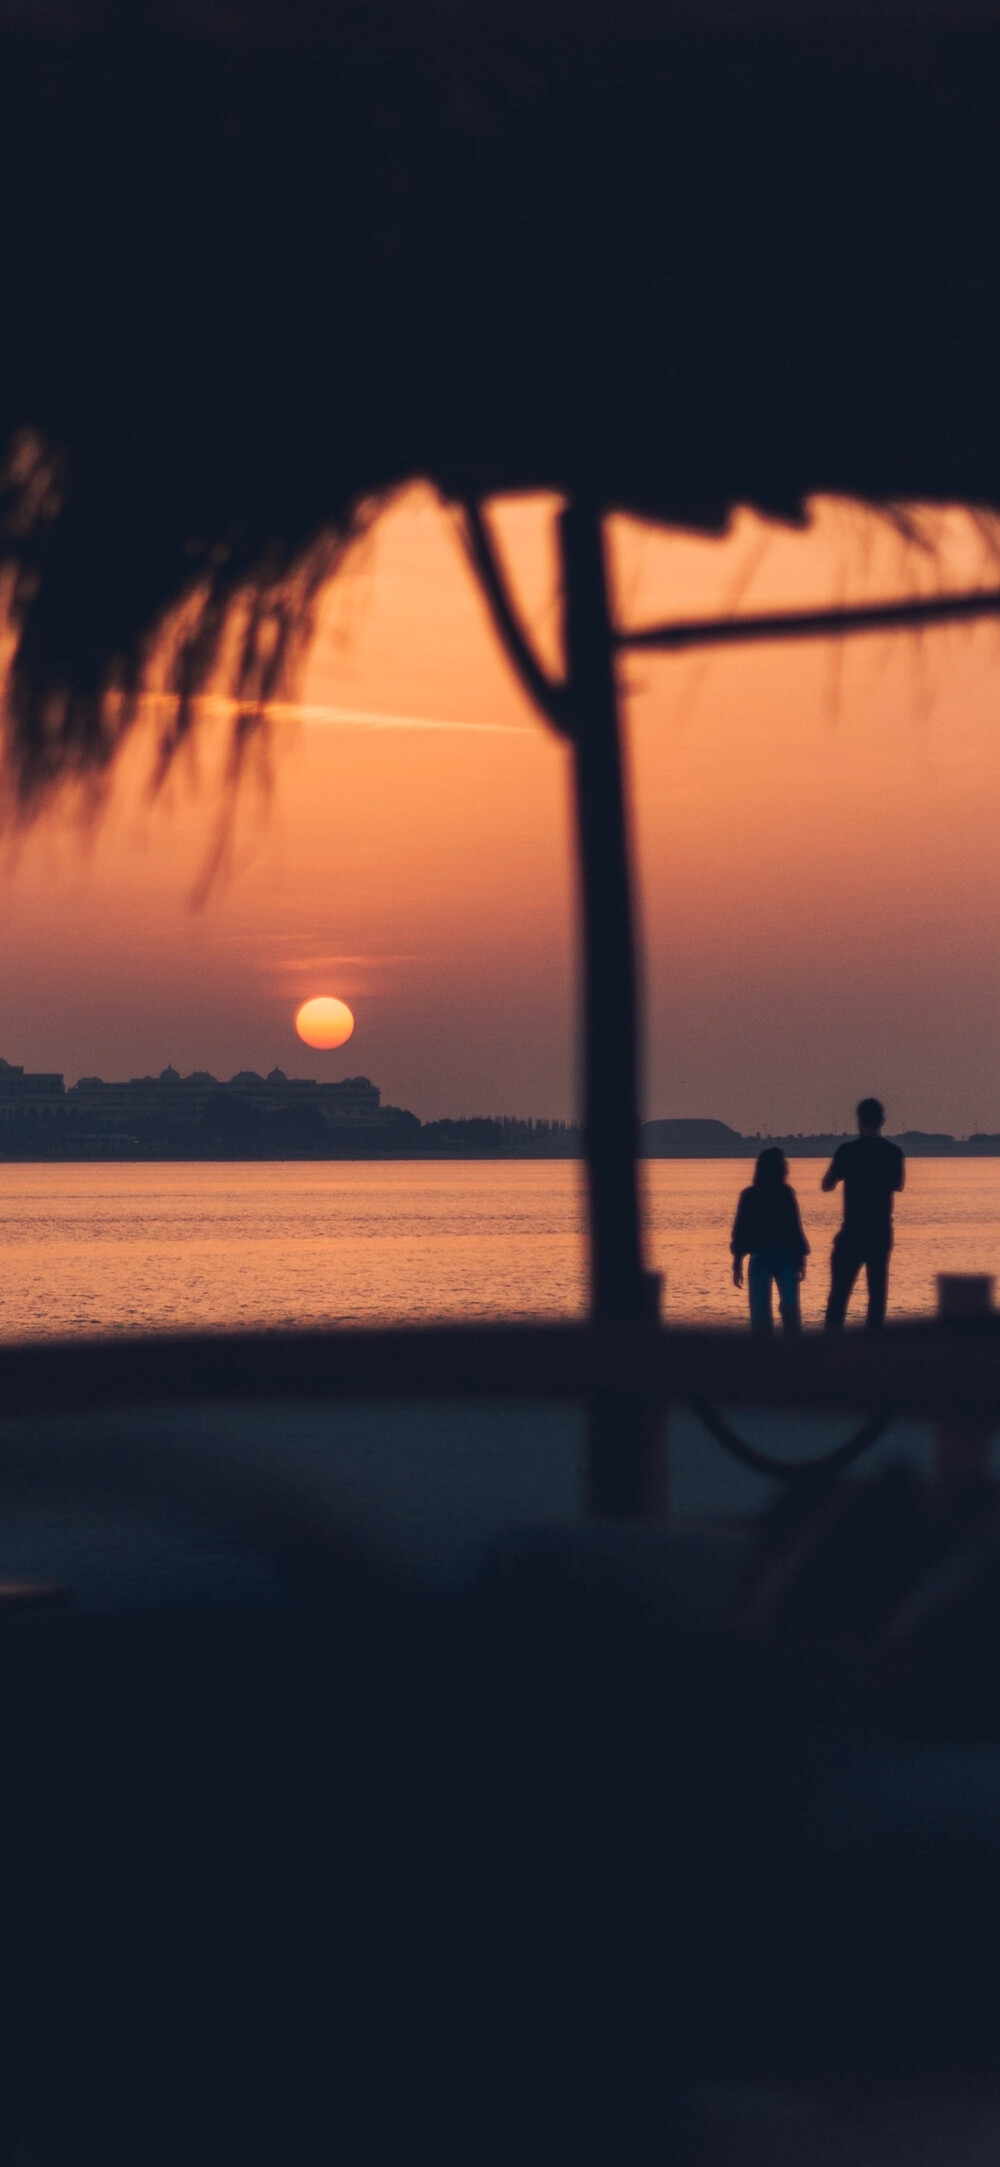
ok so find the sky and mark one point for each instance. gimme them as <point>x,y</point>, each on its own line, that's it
<point>815,831</point>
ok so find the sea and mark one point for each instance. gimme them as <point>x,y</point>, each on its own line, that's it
<point>126,1247</point>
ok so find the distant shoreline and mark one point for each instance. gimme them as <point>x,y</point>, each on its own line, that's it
<point>743,1150</point>
<point>196,1119</point>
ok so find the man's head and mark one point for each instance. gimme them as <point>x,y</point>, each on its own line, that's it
<point>871,1117</point>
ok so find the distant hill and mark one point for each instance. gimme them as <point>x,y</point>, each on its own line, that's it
<point>691,1140</point>
<point>716,1140</point>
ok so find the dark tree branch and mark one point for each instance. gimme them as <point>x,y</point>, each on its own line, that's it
<point>547,693</point>
<point>814,624</point>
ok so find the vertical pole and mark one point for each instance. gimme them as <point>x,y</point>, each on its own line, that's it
<point>610,1021</point>
<point>963,1450</point>
<point>622,1473</point>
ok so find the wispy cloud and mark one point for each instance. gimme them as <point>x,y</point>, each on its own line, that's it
<point>321,962</point>
<point>363,718</point>
<point>357,718</point>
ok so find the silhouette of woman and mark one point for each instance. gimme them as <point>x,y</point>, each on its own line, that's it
<point>768,1229</point>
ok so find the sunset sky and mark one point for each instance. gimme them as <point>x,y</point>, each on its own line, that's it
<point>816,831</point>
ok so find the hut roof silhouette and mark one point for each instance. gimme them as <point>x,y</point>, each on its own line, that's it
<point>262,264</point>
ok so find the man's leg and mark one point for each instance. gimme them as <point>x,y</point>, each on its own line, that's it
<point>759,1279</point>
<point>845,1265</point>
<point>787,1276</point>
<point>877,1275</point>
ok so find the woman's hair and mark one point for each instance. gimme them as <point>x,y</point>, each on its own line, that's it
<point>771,1168</point>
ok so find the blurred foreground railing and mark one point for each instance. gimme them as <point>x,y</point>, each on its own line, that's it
<point>936,1369</point>
<point>946,1371</point>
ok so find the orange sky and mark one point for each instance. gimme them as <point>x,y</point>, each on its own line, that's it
<point>815,831</point>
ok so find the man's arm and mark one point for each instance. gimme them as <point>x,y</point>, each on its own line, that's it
<point>833,1174</point>
<point>901,1183</point>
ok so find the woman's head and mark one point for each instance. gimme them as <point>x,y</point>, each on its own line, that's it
<point>771,1168</point>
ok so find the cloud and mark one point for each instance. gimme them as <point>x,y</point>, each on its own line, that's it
<point>320,962</point>
<point>355,718</point>
<point>363,718</point>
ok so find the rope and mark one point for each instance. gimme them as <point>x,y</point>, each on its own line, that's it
<point>764,1463</point>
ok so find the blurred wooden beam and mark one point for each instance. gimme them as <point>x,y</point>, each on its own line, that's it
<point>926,1369</point>
<point>813,624</point>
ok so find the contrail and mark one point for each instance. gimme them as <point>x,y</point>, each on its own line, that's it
<point>365,719</point>
<point>354,717</point>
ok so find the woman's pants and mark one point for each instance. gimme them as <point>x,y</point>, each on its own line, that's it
<point>776,1264</point>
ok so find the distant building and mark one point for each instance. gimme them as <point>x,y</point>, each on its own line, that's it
<point>182,1101</point>
<point>353,1101</point>
<point>168,1097</point>
<point>24,1095</point>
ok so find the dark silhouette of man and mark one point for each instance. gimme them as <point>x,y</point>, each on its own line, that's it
<point>872,1170</point>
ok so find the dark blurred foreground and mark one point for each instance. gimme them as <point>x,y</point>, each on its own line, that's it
<point>364,1798</point>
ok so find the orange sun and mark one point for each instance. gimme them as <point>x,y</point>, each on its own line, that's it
<point>324,1022</point>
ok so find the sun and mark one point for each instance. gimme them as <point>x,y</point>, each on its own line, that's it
<point>324,1022</point>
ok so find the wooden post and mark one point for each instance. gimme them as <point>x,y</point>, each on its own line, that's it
<point>610,1019</point>
<point>626,1446</point>
<point>625,1472</point>
<point>962,1450</point>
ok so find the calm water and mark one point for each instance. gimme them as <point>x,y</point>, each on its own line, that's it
<point>133,1248</point>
